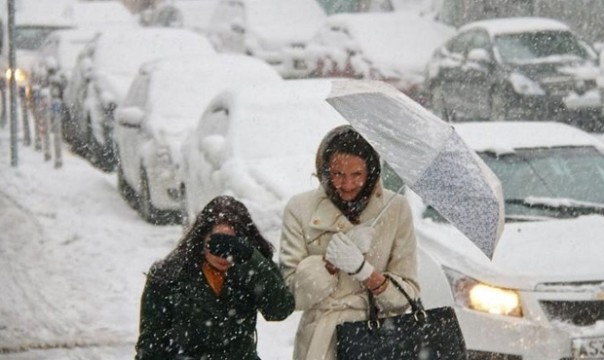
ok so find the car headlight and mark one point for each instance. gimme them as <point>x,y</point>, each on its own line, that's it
<point>475,295</point>
<point>20,76</point>
<point>525,86</point>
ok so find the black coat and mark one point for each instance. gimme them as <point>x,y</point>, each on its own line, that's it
<point>182,316</point>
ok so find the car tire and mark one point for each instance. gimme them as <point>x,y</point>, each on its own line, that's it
<point>145,204</point>
<point>126,191</point>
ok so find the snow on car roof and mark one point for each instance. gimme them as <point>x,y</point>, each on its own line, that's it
<point>391,38</point>
<point>516,25</point>
<point>505,137</point>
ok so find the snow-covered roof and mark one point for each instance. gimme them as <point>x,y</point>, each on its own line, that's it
<point>284,20</point>
<point>124,50</point>
<point>192,83</point>
<point>516,25</point>
<point>391,39</point>
<point>502,137</point>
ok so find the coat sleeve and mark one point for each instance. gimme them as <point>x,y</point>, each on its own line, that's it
<point>261,279</point>
<point>402,264</point>
<point>155,331</point>
<point>304,274</point>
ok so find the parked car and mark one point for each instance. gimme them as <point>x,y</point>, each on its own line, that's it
<point>163,106</point>
<point>102,74</point>
<point>190,14</point>
<point>257,143</point>
<point>377,46</point>
<point>515,68</point>
<point>275,31</point>
<point>542,294</point>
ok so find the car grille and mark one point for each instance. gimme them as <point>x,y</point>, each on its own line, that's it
<point>579,313</point>
<point>558,86</point>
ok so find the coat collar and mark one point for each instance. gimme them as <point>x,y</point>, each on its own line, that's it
<point>327,217</point>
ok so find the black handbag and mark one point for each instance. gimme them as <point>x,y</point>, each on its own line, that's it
<point>421,334</point>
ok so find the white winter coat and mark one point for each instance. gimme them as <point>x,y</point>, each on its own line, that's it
<point>310,219</point>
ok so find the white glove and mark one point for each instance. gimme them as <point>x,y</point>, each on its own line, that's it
<point>346,256</point>
<point>361,236</point>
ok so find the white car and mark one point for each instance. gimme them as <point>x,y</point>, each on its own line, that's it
<point>102,75</point>
<point>275,31</point>
<point>542,295</point>
<point>163,106</point>
<point>258,144</point>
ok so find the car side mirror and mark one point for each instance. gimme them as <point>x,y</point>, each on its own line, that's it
<point>480,56</point>
<point>215,149</point>
<point>129,116</point>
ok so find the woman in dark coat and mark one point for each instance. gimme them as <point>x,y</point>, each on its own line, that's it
<point>201,301</point>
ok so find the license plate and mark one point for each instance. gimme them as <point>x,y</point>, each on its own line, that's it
<point>591,348</point>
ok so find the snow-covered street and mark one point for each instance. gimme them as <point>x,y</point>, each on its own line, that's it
<point>72,263</point>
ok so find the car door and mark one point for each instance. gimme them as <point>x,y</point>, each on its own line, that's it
<point>130,130</point>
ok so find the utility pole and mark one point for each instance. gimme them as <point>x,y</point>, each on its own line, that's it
<point>12,83</point>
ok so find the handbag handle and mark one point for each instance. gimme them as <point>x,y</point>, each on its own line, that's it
<point>416,304</point>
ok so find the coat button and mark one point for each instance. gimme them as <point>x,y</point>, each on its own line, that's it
<point>340,226</point>
<point>316,222</point>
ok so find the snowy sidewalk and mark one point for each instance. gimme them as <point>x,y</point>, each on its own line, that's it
<point>72,263</point>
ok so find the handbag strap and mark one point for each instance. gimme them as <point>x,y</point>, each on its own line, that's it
<point>416,304</point>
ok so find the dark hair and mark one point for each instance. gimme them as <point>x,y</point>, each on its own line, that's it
<point>346,140</point>
<point>220,210</point>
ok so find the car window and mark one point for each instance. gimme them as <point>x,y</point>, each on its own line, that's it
<point>521,47</point>
<point>569,173</point>
<point>460,44</point>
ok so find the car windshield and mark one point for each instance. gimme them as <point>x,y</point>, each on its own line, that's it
<point>550,182</point>
<point>543,45</point>
<point>31,37</point>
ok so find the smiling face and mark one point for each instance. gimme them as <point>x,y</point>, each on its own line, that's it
<point>217,262</point>
<point>348,175</point>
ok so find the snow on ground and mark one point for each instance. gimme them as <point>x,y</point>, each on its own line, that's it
<point>72,263</point>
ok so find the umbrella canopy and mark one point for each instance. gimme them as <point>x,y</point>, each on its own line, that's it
<point>428,155</point>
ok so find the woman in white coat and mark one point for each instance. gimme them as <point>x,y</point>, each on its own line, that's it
<point>331,257</point>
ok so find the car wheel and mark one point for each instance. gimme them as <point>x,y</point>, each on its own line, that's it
<point>125,190</point>
<point>498,107</point>
<point>145,204</point>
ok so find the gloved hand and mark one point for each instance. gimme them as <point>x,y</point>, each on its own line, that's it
<point>225,246</point>
<point>346,256</point>
<point>362,235</point>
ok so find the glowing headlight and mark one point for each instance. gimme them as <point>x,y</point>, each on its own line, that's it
<point>478,296</point>
<point>525,86</point>
<point>20,76</point>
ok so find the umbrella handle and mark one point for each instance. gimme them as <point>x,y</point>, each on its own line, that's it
<point>378,216</point>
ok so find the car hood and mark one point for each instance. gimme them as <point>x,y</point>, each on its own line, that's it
<point>582,70</point>
<point>527,254</point>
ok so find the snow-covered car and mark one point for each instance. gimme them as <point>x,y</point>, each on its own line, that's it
<point>190,14</point>
<point>275,31</point>
<point>515,68</point>
<point>102,75</point>
<point>258,143</point>
<point>541,297</point>
<point>164,104</point>
<point>377,46</point>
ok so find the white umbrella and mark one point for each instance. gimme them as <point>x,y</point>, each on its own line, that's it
<point>428,155</point>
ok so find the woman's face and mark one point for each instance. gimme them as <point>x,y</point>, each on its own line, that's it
<point>348,174</point>
<point>217,262</point>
